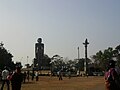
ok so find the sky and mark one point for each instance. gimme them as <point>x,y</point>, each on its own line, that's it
<point>63,26</point>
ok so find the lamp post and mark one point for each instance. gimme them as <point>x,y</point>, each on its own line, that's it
<point>85,62</point>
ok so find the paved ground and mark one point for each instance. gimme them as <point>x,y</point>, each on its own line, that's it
<point>75,83</point>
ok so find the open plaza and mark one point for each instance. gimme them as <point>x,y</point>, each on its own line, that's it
<point>74,83</point>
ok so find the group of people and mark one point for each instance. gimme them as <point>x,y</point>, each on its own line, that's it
<point>60,74</point>
<point>112,77</point>
<point>15,78</point>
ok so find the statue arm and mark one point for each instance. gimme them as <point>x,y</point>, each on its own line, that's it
<point>35,49</point>
<point>43,48</point>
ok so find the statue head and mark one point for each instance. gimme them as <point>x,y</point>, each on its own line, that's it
<point>39,40</point>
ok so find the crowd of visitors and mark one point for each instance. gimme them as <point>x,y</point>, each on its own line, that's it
<point>15,78</point>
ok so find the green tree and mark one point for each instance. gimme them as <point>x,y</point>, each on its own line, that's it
<point>101,58</point>
<point>5,58</point>
<point>117,54</point>
<point>80,64</point>
<point>47,61</point>
<point>57,63</point>
<point>45,64</point>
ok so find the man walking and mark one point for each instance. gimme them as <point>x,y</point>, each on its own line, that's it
<point>5,74</point>
<point>17,79</point>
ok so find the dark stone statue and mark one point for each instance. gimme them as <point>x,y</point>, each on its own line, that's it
<point>39,53</point>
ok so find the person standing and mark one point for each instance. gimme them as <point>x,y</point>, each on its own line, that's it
<point>60,75</point>
<point>111,77</point>
<point>33,74</point>
<point>28,75</point>
<point>5,74</point>
<point>37,75</point>
<point>69,74</point>
<point>16,79</point>
<point>24,76</point>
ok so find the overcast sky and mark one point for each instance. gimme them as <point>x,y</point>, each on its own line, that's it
<point>63,26</point>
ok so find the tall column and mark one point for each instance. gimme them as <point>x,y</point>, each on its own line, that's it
<point>78,54</point>
<point>85,62</point>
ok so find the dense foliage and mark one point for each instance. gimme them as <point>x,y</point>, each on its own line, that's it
<point>102,57</point>
<point>5,58</point>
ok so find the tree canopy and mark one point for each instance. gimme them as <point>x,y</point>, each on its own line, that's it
<point>102,57</point>
<point>5,58</point>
